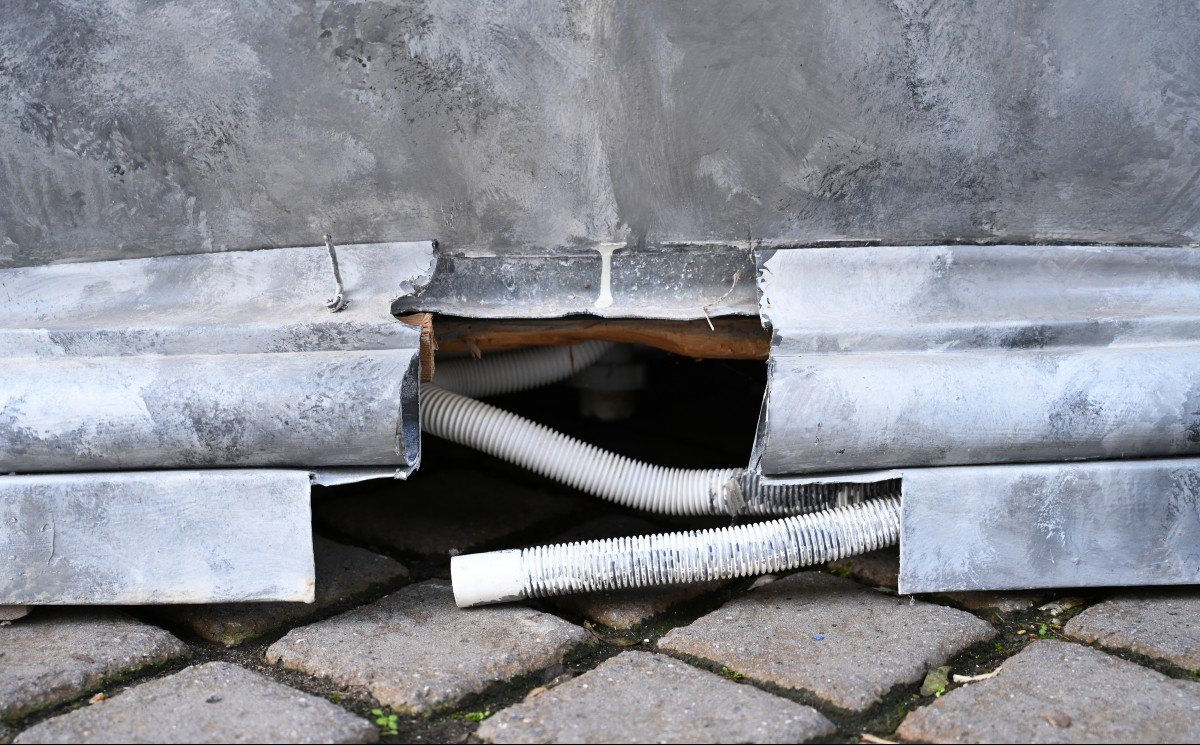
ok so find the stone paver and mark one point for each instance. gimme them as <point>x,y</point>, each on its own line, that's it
<point>343,572</point>
<point>1163,625</point>
<point>54,655</point>
<point>1061,692</point>
<point>831,637</point>
<point>623,610</point>
<point>626,609</point>
<point>1003,603</point>
<point>643,697</point>
<point>13,612</point>
<point>415,651</point>
<point>458,510</point>
<point>882,569</point>
<point>217,702</point>
<point>879,568</point>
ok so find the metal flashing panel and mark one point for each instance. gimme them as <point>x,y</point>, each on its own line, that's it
<point>1042,525</point>
<point>1094,524</point>
<point>212,360</point>
<point>674,282</point>
<point>946,355</point>
<point>156,537</point>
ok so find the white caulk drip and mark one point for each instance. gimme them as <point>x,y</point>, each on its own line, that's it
<point>606,251</point>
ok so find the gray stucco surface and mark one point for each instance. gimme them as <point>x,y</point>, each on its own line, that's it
<point>131,128</point>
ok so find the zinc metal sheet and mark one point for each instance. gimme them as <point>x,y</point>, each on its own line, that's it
<point>1095,524</point>
<point>156,537</point>
<point>1043,525</point>
<point>947,355</point>
<point>211,360</point>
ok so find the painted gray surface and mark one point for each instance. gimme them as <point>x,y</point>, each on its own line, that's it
<point>885,357</point>
<point>156,537</point>
<point>211,360</point>
<point>1050,525</point>
<point>130,127</point>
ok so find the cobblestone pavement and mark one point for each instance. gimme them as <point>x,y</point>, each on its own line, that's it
<point>825,655</point>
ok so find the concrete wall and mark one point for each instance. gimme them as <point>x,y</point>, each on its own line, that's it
<point>130,128</point>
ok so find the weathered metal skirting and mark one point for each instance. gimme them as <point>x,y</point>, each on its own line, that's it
<point>226,359</point>
<point>156,537</point>
<point>947,355</point>
<point>1092,524</point>
<point>1032,525</point>
<point>676,282</point>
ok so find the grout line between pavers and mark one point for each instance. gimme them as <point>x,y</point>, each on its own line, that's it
<point>1166,667</point>
<point>882,718</point>
<point>115,683</point>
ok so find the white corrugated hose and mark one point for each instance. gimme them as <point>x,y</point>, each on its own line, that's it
<point>674,491</point>
<point>674,558</point>
<point>518,370</point>
<point>448,411</point>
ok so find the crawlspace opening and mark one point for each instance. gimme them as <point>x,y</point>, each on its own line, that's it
<point>690,413</point>
<point>682,412</point>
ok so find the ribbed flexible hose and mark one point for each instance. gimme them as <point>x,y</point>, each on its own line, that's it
<point>672,491</point>
<point>777,500</point>
<point>697,556</point>
<point>518,370</point>
<point>672,558</point>
<point>676,491</point>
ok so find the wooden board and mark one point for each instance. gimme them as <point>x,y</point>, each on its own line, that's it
<point>424,321</point>
<point>727,338</point>
<point>153,537</point>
